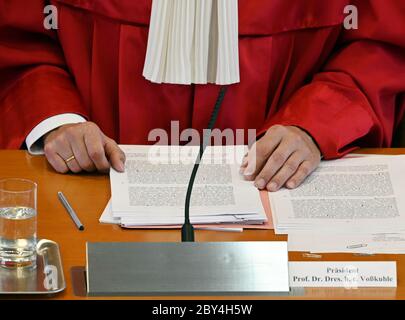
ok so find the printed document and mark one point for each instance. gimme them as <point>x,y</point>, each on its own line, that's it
<point>356,194</point>
<point>152,190</point>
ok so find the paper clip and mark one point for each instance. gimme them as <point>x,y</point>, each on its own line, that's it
<point>357,246</point>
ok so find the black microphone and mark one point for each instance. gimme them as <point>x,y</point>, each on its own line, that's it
<point>187,231</point>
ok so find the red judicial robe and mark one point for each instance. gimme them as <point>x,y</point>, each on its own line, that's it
<point>298,67</point>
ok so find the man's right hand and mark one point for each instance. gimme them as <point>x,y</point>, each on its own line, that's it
<point>91,148</point>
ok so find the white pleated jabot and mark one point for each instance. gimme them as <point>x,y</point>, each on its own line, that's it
<point>193,41</point>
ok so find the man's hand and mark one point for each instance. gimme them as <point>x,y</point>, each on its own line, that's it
<point>91,148</point>
<point>284,156</point>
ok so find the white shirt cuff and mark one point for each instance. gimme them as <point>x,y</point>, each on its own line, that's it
<point>34,142</point>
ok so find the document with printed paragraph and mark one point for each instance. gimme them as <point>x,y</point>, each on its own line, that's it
<point>152,189</point>
<point>351,195</point>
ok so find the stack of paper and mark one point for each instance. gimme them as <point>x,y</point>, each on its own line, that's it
<point>347,205</point>
<point>151,192</point>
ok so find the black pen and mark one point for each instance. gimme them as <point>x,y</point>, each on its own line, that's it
<point>70,210</point>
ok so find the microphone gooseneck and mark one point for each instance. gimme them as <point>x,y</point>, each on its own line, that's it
<point>187,231</point>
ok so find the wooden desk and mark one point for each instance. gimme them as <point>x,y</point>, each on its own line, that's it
<point>89,194</point>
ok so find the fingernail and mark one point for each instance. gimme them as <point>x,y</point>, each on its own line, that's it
<point>260,184</point>
<point>244,162</point>
<point>121,167</point>
<point>249,171</point>
<point>291,185</point>
<point>272,187</point>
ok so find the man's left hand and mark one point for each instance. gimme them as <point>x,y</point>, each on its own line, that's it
<point>284,156</point>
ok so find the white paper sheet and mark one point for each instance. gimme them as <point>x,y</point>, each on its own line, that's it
<point>379,243</point>
<point>353,195</point>
<point>149,187</point>
<point>107,218</point>
<point>152,189</point>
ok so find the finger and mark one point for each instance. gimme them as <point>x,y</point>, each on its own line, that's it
<point>244,164</point>
<point>244,161</point>
<point>81,155</point>
<point>95,150</point>
<point>250,161</point>
<point>64,148</point>
<point>55,160</point>
<point>274,163</point>
<point>65,151</point>
<point>260,152</point>
<point>304,170</point>
<point>289,168</point>
<point>115,155</point>
<point>73,165</point>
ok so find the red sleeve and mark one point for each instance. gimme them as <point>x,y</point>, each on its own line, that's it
<point>34,82</point>
<point>358,99</point>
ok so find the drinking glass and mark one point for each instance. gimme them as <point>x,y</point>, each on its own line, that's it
<point>18,223</point>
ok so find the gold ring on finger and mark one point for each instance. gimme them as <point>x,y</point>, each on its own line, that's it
<point>70,159</point>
